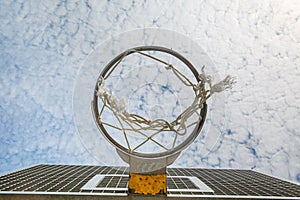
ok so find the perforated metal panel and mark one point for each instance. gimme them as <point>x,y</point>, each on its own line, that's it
<point>113,181</point>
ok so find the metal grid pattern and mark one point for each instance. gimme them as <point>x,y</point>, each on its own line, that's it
<point>183,183</point>
<point>114,182</point>
<point>214,183</point>
<point>53,178</point>
<point>242,183</point>
<point>186,185</point>
<point>107,184</point>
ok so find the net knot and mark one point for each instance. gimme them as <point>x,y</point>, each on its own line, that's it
<point>118,105</point>
<point>226,83</point>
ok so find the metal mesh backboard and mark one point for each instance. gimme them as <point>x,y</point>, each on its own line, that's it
<point>89,182</point>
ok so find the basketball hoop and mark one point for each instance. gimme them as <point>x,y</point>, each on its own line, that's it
<point>181,130</point>
<point>149,100</point>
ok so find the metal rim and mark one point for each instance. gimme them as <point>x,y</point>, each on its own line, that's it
<point>102,129</point>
